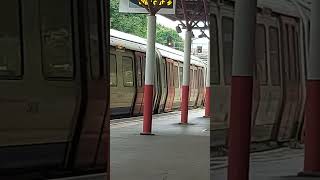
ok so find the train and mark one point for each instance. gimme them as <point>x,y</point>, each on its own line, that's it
<point>279,78</point>
<point>127,64</point>
<point>54,100</point>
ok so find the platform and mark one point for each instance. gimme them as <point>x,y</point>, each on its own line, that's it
<point>279,164</point>
<point>175,152</point>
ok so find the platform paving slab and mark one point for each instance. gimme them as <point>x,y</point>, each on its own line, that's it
<point>175,152</point>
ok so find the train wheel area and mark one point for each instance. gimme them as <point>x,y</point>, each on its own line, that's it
<point>175,151</point>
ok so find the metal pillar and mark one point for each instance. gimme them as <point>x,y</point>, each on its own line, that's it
<point>312,144</point>
<point>186,77</point>
<point>241,91</point>
<point>148,87</point>
<point>208,86</point>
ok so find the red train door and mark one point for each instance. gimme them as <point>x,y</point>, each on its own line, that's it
<point>140,66</point>
<point>291,79</point>
<point>170,96</point>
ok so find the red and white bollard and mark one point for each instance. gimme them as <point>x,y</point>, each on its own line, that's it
<point>241,90</point>
<point>148,87</point>
<point>312,144</point>
<point>186,77</point>
<point>208,87</point>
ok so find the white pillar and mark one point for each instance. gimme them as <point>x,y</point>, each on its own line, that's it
<point>186,77</point>
<point>187,57</point>
<point>149,80</point>
<point>241,89</point>
<point>208,67</point>
<point>208,88</point>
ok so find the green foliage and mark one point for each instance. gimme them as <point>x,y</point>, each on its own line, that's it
<point>136,24</point>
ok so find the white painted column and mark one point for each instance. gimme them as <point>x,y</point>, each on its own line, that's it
<point>186,77</point>
<point>149,73</point>
<point>208,86</point>
<point>241,90</point>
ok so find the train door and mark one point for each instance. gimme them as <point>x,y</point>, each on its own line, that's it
<point>221,65</point>
<point>157,83</point>
<point>177,89</point>
<point>196,86</point>
<point>170,83</point>
<point>291,80</point>
<point>164,91</point>
<point>267,88</point>
<point>123,89</point>
<point>139,66</point>
<point>93,131</point>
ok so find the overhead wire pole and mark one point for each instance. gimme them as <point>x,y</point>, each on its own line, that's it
<point>241,90</point>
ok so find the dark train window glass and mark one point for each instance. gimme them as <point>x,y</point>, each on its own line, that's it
<point>127,71</point>
<point>95,59</point>
<point>165,73</point>
<point>274,56</point>
<point>181,75</point>
<point>214,51</point>
<point>56,36</point>
<point>113,70</point>
<point>261,56</point>
<point>287,53</point>
<point>195,79</point>
<point>143,65</point>
<point>139,73</point>
<point>292,51</point>
<point>297,54</point>
<point>176,76</point>
<point>10,41</point>
<point>191,79</point>
<point>227,35</point>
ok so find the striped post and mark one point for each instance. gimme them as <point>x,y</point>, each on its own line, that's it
<point>312,144</point>
<point>148,87</point>
<point>241,90</point>
<point>186,77</point>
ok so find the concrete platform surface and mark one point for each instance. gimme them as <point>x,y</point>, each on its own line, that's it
<point>175,152</point>
<point>278,164</point>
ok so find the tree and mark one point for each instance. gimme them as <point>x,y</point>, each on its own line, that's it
<point>136,24</point>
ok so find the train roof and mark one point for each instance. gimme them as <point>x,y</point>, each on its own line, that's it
<point>132,42</point>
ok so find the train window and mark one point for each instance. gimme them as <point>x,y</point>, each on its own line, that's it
<point>113,70</point>
<point>56,36</point>
<point>139,73</point>
<point>195,79</point>
<point>227,30</point>
<point>191,79</point>
<point>287,53</point>
<point>95,60</point>
<point>10,41</point>
<point>214,48</point>
<point>292,53</point>
<point>297,54</point>
<point>274,56</point>
<point>176,76</point>
<point>181,75</point>
<point>261,59</point>
<point>127,71</point>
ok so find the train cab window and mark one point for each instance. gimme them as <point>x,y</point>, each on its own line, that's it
<point>227,31</point>
<point>181,75</point>
<point>113,70</point>
<point>10,41</point>
<point>261,56</point>
<point>127,71</point>
<point>176,76</point>
<point>274,56</point>
<point>214,48</point>
<point>56,37</point>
